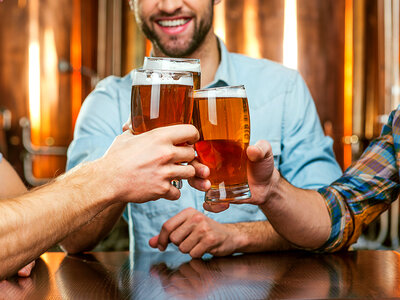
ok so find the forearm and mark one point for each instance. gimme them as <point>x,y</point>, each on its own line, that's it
<point>32,223</point>
<point>299,216</point>
<point>88,236</point>
<point>258,236</point>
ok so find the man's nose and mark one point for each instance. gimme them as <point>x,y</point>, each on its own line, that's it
<point>170,6</point>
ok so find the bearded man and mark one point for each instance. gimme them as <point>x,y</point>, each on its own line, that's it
<point>282,112</point>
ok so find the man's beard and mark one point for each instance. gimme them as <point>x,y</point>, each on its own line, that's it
<point>200,33</point>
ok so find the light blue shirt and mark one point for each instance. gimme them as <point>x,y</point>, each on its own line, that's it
<point>281,111</point>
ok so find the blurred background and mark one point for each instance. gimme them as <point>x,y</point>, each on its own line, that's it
<point>52,54</point>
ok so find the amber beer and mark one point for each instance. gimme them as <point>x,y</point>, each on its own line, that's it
<point>222,117</point>
<point>160,98</point>
<point>176,64</point>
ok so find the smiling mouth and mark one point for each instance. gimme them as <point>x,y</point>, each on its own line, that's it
<point>173,23</point>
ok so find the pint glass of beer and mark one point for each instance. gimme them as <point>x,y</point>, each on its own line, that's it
<point>175,64</point>
<point>161,98</point>
<point>222,117</point>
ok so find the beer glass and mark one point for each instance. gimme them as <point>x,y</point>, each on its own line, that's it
<point>176,64</point>
<point>222,117</point>
<point>161,98</point>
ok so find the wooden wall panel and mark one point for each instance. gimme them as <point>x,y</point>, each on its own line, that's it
<point>321,60</point>
<point>133,41</point>
<point>270,23</point>
<point>89,17</point>
<point>234,25</point>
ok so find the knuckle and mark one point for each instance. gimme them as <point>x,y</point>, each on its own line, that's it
<point>164,188</point>
<point>203,228</point>
<point>191,171</point>
<point>167,154</point>
<point>183,249</point>
<point>167,172</point>
<point>190,210</point>
<point>198,218</point>
<point>166,227</point>
<point>174,239</point>
<point>210,239</point>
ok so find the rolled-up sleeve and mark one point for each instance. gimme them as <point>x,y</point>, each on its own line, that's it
<point>366,189</point>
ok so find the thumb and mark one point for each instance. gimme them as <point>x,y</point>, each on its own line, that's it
<point>153,242</point>
<point>261,163</point>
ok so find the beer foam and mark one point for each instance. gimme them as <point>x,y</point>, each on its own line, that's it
<point>222,92</point>
<point>154,77</point>
<point>172,64</point>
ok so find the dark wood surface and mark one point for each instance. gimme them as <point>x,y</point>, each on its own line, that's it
<point>116,275</point>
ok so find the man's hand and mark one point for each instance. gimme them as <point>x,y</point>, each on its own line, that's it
<point>196,234</point>
<point>139,168</point>
<point>261,175</point>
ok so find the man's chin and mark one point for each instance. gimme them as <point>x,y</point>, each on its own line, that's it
<point>175,50</point>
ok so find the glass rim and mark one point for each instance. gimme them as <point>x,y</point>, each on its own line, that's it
<point>145,77</point>
<point>222,91</point>
<point>141,70</point>
<point>172,63</point>
<point>174,59</point>
<point>241,86</point>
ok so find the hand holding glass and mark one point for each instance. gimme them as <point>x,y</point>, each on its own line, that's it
<point>222,117</point>
<point>160,98</point>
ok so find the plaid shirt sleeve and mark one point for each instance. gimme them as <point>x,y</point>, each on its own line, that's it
<point>366,189</point>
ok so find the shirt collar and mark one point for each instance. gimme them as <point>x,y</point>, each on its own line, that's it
<point>225,74</point>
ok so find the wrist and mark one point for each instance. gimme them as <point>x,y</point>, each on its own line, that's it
<point>103,183</point>
<point>272,188</point>
<point>240,239</point>
<point>88,181</point>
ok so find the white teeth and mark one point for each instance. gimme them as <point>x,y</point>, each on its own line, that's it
<point>173,23</point>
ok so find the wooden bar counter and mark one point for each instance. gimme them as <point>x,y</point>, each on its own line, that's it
<point>170,275</point>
